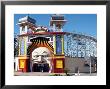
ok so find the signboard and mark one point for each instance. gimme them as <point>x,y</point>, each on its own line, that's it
<point>22,63</point>
<point>59,64</point>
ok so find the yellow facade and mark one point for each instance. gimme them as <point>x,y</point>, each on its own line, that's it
<point>59,64</point>
<point>22,63</point>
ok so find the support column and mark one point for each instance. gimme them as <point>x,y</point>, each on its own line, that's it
<point>25,46</point>
<point>19,46</point>
<point>23,59</point>
<point>59,64</point>
<point>54,44</point>
<point>21,30</point>
<point>26,27</point>
<point>62,44</point>
<point>23,64</point>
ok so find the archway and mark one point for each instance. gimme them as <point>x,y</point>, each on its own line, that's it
<point>41,59</point>
<point>41,52</point>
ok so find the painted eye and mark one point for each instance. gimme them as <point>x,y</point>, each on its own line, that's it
<point>34,56</point>
<point>44,55</point>
<point>48,55</point>
<point>37,56</point>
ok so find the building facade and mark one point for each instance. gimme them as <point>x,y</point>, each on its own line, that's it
<point>40,49</point>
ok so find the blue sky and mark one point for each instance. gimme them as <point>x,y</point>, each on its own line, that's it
<point>80,23</point>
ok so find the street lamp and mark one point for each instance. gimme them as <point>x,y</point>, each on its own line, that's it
<point>90,64</point>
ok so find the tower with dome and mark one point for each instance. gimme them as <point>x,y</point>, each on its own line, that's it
<point>41,49</point>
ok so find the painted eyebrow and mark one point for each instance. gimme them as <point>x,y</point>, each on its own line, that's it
<point>45,52</point>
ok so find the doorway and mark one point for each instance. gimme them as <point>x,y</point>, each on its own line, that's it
<point>40,67</point>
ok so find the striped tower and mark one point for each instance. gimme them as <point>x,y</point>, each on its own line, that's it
<point>56,23</point>
<point>27,25</point>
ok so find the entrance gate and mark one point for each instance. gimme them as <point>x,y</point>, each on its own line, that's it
<point>40,67</point>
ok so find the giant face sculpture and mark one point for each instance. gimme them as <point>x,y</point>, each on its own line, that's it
<point>42,55</point>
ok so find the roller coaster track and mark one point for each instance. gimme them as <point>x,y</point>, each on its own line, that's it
<point>80,45</point>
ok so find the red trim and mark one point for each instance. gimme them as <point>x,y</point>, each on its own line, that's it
<point>58,70</point>
<point>25,65</point>
<point>43,33</point>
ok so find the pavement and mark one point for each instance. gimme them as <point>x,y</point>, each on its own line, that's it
<point>52,74</point>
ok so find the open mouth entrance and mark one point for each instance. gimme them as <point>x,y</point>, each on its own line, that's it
<point>40,67</point>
